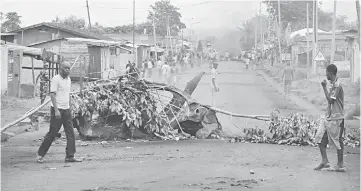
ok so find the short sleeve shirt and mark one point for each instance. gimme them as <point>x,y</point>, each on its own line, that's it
<point>159,64</point>
<point>214,73</point>
<point>288,72</point>
<point>61,87</point>
<point>336,93</point>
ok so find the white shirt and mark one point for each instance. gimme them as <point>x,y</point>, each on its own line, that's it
<point>214,73</point>
<point>159,64</point>
<point>61,87</point>
<point>166,69</point>
<point>150,64</point>
<point>111,73</point>
<point>247,61</point>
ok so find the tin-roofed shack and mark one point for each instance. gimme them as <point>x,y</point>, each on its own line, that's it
<point>20,66</point>
<point>94,56</point>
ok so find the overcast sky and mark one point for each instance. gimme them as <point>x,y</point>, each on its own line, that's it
<point>206,14</point>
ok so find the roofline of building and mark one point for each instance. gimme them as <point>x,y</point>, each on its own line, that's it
<point>56,27</point>
<point>7,34</point>
<point>70,39</point>
<point>42,42</point>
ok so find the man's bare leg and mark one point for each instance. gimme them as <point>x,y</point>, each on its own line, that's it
<point>340,166</point>
<point>325,162</point>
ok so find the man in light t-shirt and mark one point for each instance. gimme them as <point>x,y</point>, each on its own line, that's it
<point>214,74</point>
<point>159,67</point>
<point>60,115</point>
<point>166,72</point>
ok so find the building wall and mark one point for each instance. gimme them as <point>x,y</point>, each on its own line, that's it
<point>4,69</point>
<point>70,51</point>
<point>53,46</point>
<point>138,38</point>
<point>8,38</point>
<point>94,62</point>
<point>40,34</point>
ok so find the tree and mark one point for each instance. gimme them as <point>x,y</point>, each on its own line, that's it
<point>139,28</point>
<point>291,11</point>
<point>72,21</point>
<point>248,31</point>
<point>163,11</point>
<point>12,22</point>
<point>295,13</point>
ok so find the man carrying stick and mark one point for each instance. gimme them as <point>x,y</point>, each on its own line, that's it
<point>60,115</point>
<point>332,129</point>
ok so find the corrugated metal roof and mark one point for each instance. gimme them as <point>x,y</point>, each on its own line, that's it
<point>80,32</point>
<point>7,34</point>
<point>26,50</point>
<point>96,42</point>
<point>93,42</point>
<point>158,49</point>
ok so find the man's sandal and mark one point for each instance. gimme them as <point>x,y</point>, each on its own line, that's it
<point>321,166</point>
<point>337,169</point>
<point>39,160</point>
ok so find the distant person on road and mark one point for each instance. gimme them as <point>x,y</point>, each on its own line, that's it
<point>128,66</point>
<point>150,68</point>
<point>60,115</point>
<point>159,68</point>
<point>214,74</point>
<point>287,78</point>
<point>111,72</point>
<point>214,84</point>
<point>247,62</point>
<point>166,69</point>
<point>332,130</point>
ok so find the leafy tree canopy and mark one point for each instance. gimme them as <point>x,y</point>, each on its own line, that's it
<point>12,22</point>
<point>164,10</point>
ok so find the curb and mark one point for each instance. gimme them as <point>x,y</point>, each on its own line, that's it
<point>295,99</point>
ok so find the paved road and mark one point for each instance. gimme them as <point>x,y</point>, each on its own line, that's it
<point>241,91</point>
<point>185,165</point>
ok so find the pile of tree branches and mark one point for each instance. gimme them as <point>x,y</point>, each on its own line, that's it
<point>297,129</point>
<point>132,101</point>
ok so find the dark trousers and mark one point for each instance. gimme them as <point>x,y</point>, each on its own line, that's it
<point>55,125</point>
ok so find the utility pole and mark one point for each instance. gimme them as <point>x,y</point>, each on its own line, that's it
<point>333,45</point>
<point>358,21</point>
<point>87,7</point>
<point>313,36</point>
<point>279,29</point>
<point>308,44</point>
<point>155,38</point>
<point>315,31</point>
<point>261,27</point>
<point>255,34</point>
<point>134,31</point>
<point>269,25</point>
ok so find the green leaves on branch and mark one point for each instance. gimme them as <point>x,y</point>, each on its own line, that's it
<point>129,100</point>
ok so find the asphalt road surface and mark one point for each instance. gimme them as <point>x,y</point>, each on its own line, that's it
<point>185,165</point>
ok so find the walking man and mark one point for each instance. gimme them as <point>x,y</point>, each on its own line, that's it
<point>60,115</point>
<point>332,130</point>
<point>214,84</point>
<point>287,78</point>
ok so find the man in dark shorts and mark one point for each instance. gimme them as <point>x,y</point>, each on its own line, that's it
<point>332,129</point>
